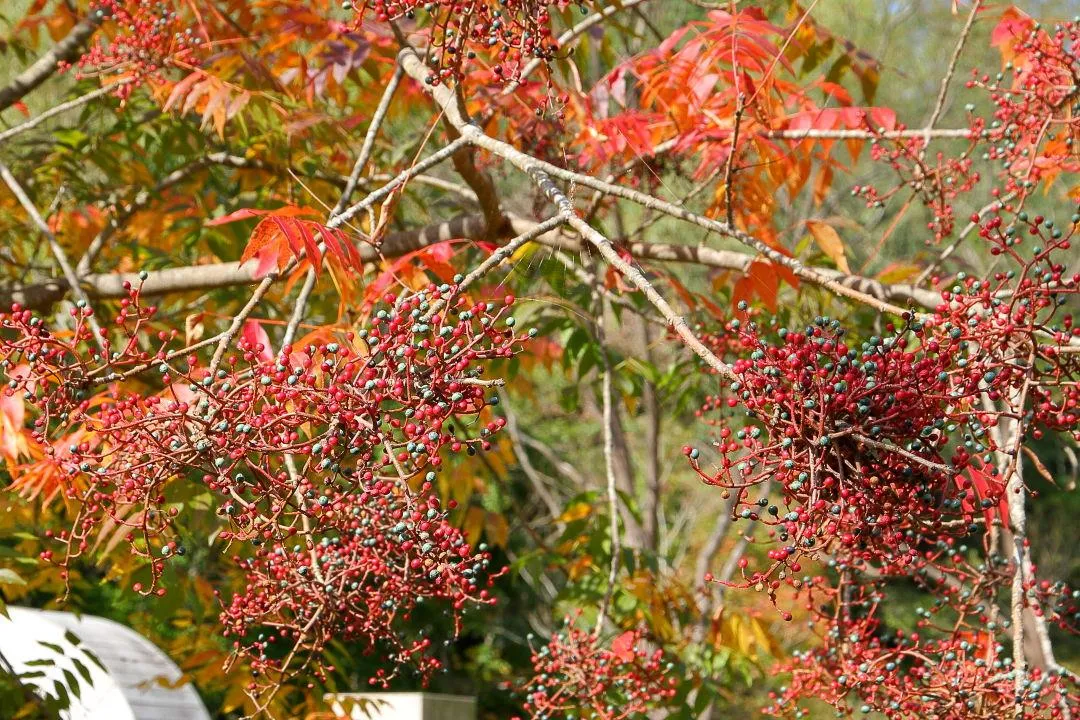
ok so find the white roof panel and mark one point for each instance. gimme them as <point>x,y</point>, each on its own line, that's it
<point>132,689</point>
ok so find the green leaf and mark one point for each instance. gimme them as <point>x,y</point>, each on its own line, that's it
<point>10,577</point>
<point>644,369</point>
<point>62,694</point>
<point>92,657</point>
<point>70,136</point>
<point>72,683</point>
<point>83,670</point>
<point>575,345</point>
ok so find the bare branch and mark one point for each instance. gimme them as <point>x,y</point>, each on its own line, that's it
<point>369,139</point>
<point>67,50</point>
<point>609,468</point>
<point>635,276</point>
<point>527,467</point>
<point>60,109</point>
<point>470,227</point>
<point>823,134</point>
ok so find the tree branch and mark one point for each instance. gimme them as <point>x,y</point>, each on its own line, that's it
<point>65,51</point>
<point>60,109</point>
<point>468,227</point>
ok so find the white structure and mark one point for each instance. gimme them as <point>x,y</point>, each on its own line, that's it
<point>402,706</point>
<point>140,678</point>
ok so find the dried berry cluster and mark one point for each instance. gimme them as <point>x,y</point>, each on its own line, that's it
<point>506,34</point>
<point>321,460</point>
<point>576,676</point>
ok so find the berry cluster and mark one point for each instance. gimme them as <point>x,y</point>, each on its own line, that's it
<point>1031,133</point>
<point>1013,323</point>
<point>508,33</point>
<point>1035,123</point>
<point>937,180</point>
<point>390,551</point>
<point>960,673</point>
<point>313,458</point>
<point>853,438</point>
<point>575,676</point>
<point>889,457</point>
<point>145,37</point>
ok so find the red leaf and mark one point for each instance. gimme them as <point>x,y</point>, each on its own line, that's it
<point>989,487</point>
<point>623,647</point>
<point>254,335</point>
<point>245,213</point>
<point>331,236</point>
<point>290,233</point>
<point>263,243</point>
<point>761,280</point>
<point>1010,32</point>
<point>310,245</point>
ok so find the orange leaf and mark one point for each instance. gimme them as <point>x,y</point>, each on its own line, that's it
<point>12,415</point>
<point>829,241</point>
<point>497,529</point>
<point>761,280</point>
<point>474,523</point>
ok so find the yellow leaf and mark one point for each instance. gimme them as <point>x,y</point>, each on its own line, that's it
<point>897,273</point>
<point>765,639</point>
<point>497,529</point>
<point>474,523</point>
<point>830,243</point>
<point>579,566</point>
<point>577,511</point>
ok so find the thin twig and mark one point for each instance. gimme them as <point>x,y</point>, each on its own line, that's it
<point>299,307</point>
<point>67,50</point>
<point>609,462</point>
<point>60,109</point>
<point>54,245</point>
<point>968,229</point>
<point>369,139</point>
<point>729,166</point>
<point>542,492</point>
<point>635,276</point>
<point>499,255</point>
<point>939,105</point>
<point>889,447</point>
<point>238,321</point>
<point>569,36</point>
